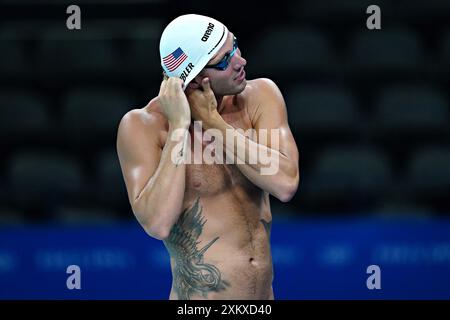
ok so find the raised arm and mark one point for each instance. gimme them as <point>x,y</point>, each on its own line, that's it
<point>154,174</point>
<point>273,160</point>
<point>270,117</point>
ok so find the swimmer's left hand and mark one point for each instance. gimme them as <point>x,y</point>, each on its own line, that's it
<point>203,104</point>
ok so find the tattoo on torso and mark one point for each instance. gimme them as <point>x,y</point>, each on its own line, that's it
<point>192,276</point>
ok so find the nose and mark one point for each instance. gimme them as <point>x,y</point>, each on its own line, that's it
<point>239,61</point>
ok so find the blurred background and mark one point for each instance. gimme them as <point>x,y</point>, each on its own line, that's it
<point>369,110</point>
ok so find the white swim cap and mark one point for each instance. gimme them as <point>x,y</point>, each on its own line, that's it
<point>188,43</point>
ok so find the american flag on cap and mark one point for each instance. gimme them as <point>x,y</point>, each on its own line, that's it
<point>173,60</point>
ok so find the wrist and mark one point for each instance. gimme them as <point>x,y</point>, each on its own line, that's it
<point>179,125</point>
<point>213,122</point>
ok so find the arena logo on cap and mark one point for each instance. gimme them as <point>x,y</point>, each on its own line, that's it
<point>173,60</point>
<point>208,32</point>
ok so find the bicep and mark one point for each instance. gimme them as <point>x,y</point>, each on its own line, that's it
<point>271,120</point>
<point>139,154</point>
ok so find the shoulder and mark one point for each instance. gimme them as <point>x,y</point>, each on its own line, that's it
<point>263,83</point>
<point>263,86</point>
<point>148,116</point>
<point>138,123</point>
<point>261,94</point>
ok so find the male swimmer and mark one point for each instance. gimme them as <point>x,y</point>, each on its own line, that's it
<point>201,159</point>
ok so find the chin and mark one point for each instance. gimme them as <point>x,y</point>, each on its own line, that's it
<point>239,88</point>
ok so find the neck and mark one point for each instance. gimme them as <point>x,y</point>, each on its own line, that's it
<point>220,105</point>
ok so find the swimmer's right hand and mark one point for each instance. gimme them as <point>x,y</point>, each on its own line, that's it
<point>174,103</point>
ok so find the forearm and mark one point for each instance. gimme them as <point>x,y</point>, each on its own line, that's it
<point>265,167</point>
<point>159,204</point>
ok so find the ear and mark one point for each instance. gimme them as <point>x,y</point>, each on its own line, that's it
<point>194,85</point>
<point>197,81</point>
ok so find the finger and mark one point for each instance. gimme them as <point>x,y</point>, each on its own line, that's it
<point>175,82</point>
<point>193,95</point>
<point>205,84</point>
<point>162,88</point>
<point>207,87</point>
<point>189,91</point>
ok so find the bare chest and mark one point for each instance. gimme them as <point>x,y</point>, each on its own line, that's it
<point>207,172</point>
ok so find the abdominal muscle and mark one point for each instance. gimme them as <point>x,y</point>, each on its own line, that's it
<point>220,249</point>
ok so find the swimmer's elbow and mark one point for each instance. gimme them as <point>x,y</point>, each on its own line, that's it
<point>153,225</point>
<point>285,196</point>
<point>288,190</point>
<point>156,229</point>
<point>157,232</point>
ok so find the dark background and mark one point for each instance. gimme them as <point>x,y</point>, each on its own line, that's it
<point>369,109</point>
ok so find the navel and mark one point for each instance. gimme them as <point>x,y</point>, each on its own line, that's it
<point>197,184</point>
